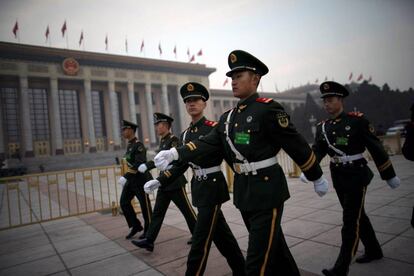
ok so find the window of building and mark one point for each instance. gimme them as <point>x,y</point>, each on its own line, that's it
<point>136,97</point>
<point>10,113</point>
<point>98,114</point>
<point>39,114</point>
<point>69,114</point>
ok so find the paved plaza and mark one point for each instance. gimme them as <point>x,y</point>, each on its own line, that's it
<point>94,244</point>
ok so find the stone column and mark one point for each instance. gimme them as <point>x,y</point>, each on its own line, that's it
<point>26,126</point>
<point>2,147</point>
<point>181,110</point>
<point>89,114</point>
<point>55,125</point>
<point>114,115</point>
<point>164,99</point>
<point>131,99</point>
<point>150,112</point>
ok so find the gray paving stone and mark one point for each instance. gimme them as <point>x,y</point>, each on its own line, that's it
<point>383,267</point>
<point>91,254</point>
<point>394,212</point>
<point>79,242</point>
<point>24,255</point>
<point>325,216</point>
<point>400,248</point>
<point>304,229</point>
<point>14,245</point>
<point>297,211</point>
<point>404,202</point>
<point>123,264</point>
<point>409,233</point>
<point>38,267</point>
<point>71,233</point>
<point>389,225</point>
<point>149,272</point>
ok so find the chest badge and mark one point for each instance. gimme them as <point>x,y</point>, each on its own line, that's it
<point>249,119</point>
<point>347,128</point>
<point>283,120</point>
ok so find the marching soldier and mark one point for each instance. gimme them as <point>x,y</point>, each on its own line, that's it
<point>208,189</point>
<point>133,181</point>
<point>344,137</point>
<point>174,192</point>
<point>250,135</point>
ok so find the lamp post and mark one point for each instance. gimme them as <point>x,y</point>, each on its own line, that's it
<point>312,121</point>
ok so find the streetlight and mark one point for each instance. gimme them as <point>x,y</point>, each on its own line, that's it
<point>312,121</point>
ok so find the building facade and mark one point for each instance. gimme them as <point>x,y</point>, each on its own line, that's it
<point>65,102</point>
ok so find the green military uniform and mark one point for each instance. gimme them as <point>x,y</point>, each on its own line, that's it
<point>346,138</point>
<point>174,192</point>
<point>135,155</point>
<point>209,190</point>
<point>258,128</point>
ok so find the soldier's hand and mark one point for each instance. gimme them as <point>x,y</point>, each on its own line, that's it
<point>394,182</point>
<point>321,186</point>
<point>121,181</point>
<point>164,158</point>
<point>142,168</point>
<point>303,178</point>
<point>151,185</point>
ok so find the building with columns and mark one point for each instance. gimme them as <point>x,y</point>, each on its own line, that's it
<point>63,108</point>
<point>65,102</point>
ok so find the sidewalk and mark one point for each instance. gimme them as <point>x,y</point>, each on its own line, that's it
<point>94,244</point>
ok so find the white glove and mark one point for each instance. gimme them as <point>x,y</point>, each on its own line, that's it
<point>164,158</point>
<point>303,178</point>
<point>321,186</point>
<point>121,181</point>
<point>394,182</point>
<point>142,168</point>
<point>151,185</point>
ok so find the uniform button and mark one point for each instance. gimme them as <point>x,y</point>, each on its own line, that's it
<point>235,125</point>
<point>334,123</point>
<point>248,131</point>
<point>239,111</point>
<point>266,178</point>
<point>347,135</point>
<point>214,180</point>
<point>334,144</point>
<point>333,132</point>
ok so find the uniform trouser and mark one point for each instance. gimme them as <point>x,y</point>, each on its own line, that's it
<point>356,225</point>
<point>130,190</point>
<point>267,253</point>
<point>162,201</point>
<point>212,226</point>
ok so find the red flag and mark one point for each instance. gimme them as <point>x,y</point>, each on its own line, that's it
<point>369,79</point>
<point>159,48</point>
<point>350,76</point>
<point>326,78</point>
<point>360,77</point>
<point>175,50</point>
<point>106,42</point>
<point>188,52</point>
<point>200,53</point>
<point>47,33</point>
<point>81,38</point>
<point>126,45</point>
<point>225,82</point>
<point>15,29</point>
<point>63,29</point>
<point>142,46</point>
<point>317,80</point>
<point>192,58</point>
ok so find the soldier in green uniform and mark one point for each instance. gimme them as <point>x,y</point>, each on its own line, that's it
<point>174,192</point>
<point>208,189</point>
<point>250,135</point>
<point>133,181</point>
<point>344,137</point>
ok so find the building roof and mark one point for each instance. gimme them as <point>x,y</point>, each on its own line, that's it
<point>25,52</point>
<point>273,95</point>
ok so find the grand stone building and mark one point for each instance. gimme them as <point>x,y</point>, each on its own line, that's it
<point>59,105</point>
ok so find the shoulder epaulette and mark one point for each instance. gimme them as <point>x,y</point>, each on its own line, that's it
<point>210,123</point>
<point>355,114</point>
<point>264,100</point>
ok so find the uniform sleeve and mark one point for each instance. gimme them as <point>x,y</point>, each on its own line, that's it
<point>320,147</point>
<point>377,151</point>
<point>150,165</point>
<point>169,176</point>
<point>204,146</point>
<point>140,156</point>
<point>408,147</point>
<point>281,130</point>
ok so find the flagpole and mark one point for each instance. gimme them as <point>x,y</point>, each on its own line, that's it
<point>67,40</point>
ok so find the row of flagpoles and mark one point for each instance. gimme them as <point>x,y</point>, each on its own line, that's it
<point>191,57</point>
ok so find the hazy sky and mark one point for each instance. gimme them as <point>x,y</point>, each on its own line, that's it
<point>300,41</point>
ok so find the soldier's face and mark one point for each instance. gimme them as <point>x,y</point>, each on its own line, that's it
<point>195,106</point>
<point>127,133</point>
<point>244,83</point>
<point>161,128</point>
<point>333,105</point>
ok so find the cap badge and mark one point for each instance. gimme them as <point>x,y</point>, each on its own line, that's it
<point>233,58</point>
<point>190,87</point>
<point>249,119</point>
<point>347,128</point>
<point>326,86</point>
